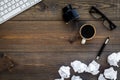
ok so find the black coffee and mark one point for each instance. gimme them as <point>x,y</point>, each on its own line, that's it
<point>87,31</point>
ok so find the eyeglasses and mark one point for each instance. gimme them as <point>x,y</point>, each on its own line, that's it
<point>100,16</point>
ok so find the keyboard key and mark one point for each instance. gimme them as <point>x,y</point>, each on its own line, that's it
<point>32,2</point>
<point>6,11</point>
<point>12,13</point>
<point>13,7</point>
<point>24,1</point>
<point>5,1</point>
<point>28,4</point>
<point>9,9</point>
<point>2,3</point>
<point>21,2</point>
<point>5,6</point>
<point>16,4</point>
<point>2,13</point>
<point>1,8</point>
<point>9,4</point>
<point>17,0</point>
<point>12,2</point>
<point>23,6</point>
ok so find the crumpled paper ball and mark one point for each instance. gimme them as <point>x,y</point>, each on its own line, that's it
<point>76,78</point>
<point>110,73</point>
<point>60,79</point>
<point>78,66</point>
<point>64,71</point>
<point>101,77</point>
<point>113,59</point>
<point>93,68</point>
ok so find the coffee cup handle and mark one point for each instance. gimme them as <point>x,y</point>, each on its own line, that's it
<point>83,41</point>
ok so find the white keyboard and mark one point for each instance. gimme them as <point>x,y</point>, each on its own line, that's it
<point>11,8</point>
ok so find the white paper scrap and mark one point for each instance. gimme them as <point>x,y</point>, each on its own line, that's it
<point>118,55</point>
<point>110,73</point>
<point>113,59</point>
<point>60,79</point>
<point>101,77</point>
<point>76,78</point>
<point>93,68</point>
<point>78,66</point>
<point>64,71</point>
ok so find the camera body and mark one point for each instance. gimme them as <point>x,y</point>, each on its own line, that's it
<point>70,14</point>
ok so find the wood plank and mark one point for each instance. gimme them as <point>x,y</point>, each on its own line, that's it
<point>51,9</point>
<point>37,39</point>
<point>30,36</point>
<point>39,65</point>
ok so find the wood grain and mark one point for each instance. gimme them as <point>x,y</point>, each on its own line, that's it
<point>37,39</point>
<point>37,36</point>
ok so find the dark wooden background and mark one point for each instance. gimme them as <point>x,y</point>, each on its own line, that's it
<point>37,39</point>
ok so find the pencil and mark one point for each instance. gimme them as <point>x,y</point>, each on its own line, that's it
<point>102,47</point>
